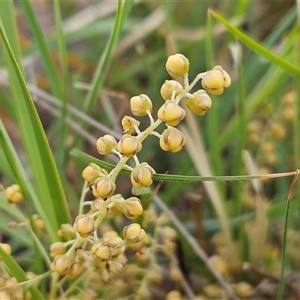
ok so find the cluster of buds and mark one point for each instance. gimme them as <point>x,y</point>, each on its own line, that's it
<point>107,252</point>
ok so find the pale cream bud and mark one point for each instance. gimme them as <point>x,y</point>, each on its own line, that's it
<point>97,204</point>
<point>103,188</point>
<point>13,194</point>
<point>133,233</point>
<point>129,145</point>
<point>129,125</point>
<point>171,113</point>
<point>106,144</point>
<point>61,264</point>
<point>101,251</point>
<point>199,103</point>
<point>177,65</point>
<point>132,208</point>
<point>169,87</point>
<point>91,172</point>
<point>74,271</point>
<point>141,175</point>
<point>172,140</point>
<point>115,266</point>
<point>57,248</point>
<point>116,244</point>
<point>140,105</point>
<point>84,225</point>
<point>215,80</point>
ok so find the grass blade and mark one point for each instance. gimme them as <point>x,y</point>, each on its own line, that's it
<point>48,184</point>
<point>18,273</point>
<point>256,47</point>
<point>103,64</point>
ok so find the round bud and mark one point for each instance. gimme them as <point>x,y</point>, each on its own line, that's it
<point>13,194</point>
<point>106,144</point>
<point>116,245</point>
<point>199,103</point>
<point>38,222</point>
<point>171,113</point>
<point>133,233</point>
<point>84,225</point>
<point>74,271</point>
<point>115,266</point>
<point>215,80</point>
<point>57,248</point>
<point>97,204</point>
<point>132,208</point>
<point>101,251</point>
<point>172,140</point>
<point>177,65</point>
<point>130,124</point>
<point>91,172</point>
<point>61,264</point>
<point>129,145</point>
<point>103,188</point>
<point>169,87</point>
<point>140,105</point>
<point>141,175</point>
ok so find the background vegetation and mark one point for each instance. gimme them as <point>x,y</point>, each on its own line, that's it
<point>81,62</point>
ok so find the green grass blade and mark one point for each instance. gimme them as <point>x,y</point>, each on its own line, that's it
<point>256,47</point>
<point>22,180</point>
<point>49,188</point>
<point>42,47</point>
<point>18,273</point>
<point>60,151</point>
<point>103,64</point>
<point>284,238</point>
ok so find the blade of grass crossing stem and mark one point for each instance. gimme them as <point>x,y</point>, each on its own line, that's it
<point>48,184</point>
<point>256,47</point>
<point>60,151</point>
<point>42,47</point>
<point>19,274</point>
<point>284,239</point>
<point>96,86</point>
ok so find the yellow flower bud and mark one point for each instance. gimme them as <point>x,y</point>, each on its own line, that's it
<point>101,251</point>
<point>84,225</point>
<point>140,105</point>
<point>91,172</point>
<point>116,244</point>
<point>106,144</point>
<point>74,271</point>
<point>132,208</point>
<point>177,65</point>
<point>199,103</point>
<point>172,140</point>
<point>103,188</point>
<point>66,231</point>
<point>215,80</point>
<point>133,233</point>
<point>129,124</point>
<point>97,204</point>
<point>141,175</point>
<point>13,194</point>
<point>61,264</point>
<point>171,113</point>
<point>6,248</point>
<point>38,222</point>
<point>129,145</point>
<point>169,87</point>
<point>115,266</point>
<point>57,248</point>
